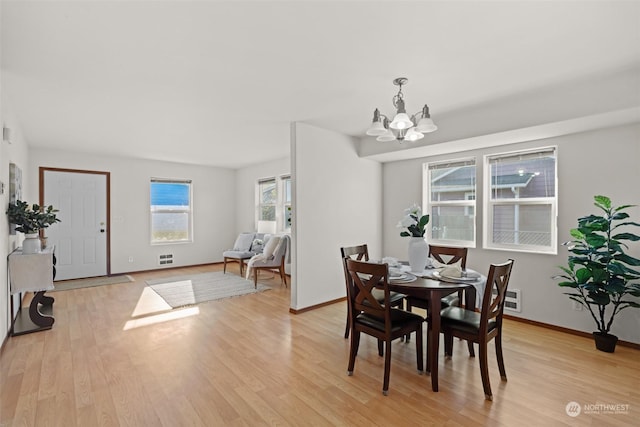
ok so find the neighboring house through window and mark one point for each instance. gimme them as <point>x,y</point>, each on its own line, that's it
<point>450,195</point>
<point>521,201</point>
<point>171,214</point>
<point>267,199</point>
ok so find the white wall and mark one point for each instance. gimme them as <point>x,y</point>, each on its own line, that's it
<point>597,162</point>
<point>214,204</point>
<point>16,152</point>
<point>246,179</point>
<point>336,202</point>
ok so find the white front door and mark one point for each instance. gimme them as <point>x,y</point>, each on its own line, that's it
<point>81,236</point>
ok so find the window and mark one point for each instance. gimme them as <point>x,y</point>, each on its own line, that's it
<point>521,202</point>
<point>170,211</point>
<point>450,194</point>
<point>267,200</point>
<point>286,202</point>
<point>273,204</point>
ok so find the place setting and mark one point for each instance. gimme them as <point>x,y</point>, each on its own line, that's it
<point>398,273</point>
<point>452,273</point>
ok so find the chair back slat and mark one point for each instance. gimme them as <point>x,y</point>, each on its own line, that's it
<point>366,277</point>
<point>359,252</point>
<point>493,304</point>
<point>449,255</point>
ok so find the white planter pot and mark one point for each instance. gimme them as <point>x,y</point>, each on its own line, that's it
<point>31,244</point>
<point>418,254</point>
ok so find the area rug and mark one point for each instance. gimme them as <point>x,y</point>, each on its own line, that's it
<point>65,285</point>
<point>179,291</point>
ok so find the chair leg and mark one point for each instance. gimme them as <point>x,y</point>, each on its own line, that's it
<point>448,344</point>
<point>347,327</point>
<point>224,269</point>
<point>503,373</point>
<point>355,343</point>
<point>380,348</point>
<point>470,346</point>
<point>282,277</point>
<point>255,278</point>
<point>387,367</point>
<point>419,350</point>
<point>428,367</point>
<point>407,337</point>
<point>484,369</point>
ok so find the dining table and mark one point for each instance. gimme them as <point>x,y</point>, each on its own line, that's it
<point>427,287</point>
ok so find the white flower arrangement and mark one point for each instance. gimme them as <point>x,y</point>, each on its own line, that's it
<point>414,222</point>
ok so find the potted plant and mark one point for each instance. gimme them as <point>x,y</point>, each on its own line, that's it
<point>599,270</point>
<point>30,219</point>
<point>415,224</point>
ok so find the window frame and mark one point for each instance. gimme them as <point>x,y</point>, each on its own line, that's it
<point>188,210</point>
<point>285,204</point>
<point>489,205</point>
<point>278,225</point>
<point>467,203</point>
<point>261,203</point>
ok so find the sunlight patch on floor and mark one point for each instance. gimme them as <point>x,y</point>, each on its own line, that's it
<point>159,318</point>
<point>149,303</point>
<point>152,309</point>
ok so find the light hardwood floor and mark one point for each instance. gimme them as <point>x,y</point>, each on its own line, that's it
<point>117,356</point>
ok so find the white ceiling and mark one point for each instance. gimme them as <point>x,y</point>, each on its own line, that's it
<point>217,83</point>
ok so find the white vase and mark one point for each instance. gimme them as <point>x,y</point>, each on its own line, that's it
<point>31,243</point>
<point>418,254</point>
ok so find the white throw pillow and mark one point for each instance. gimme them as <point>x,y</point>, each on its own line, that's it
<point>270,247</point>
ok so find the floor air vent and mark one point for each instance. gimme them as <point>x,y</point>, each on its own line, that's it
<point>512,301</point>
<point>165,259</point>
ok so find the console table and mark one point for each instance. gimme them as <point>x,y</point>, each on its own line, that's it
<point>33,273</point>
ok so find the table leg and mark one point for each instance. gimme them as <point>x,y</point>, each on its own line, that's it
<point>34,313</point>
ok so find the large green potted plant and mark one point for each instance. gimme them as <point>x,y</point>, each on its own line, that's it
<point>30,219</point>
<point>599,269</point>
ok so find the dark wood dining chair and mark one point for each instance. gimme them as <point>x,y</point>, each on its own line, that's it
<point>377,318</point>
<point>481,327</point>
<point>444,255</point>
<point>361,253</point>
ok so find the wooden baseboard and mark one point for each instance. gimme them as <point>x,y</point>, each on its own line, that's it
<point>313,307</point>
<point>506,316</point>
<point>168,268</point>
<point>566,330</point>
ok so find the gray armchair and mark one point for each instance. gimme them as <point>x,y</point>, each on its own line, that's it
<point>273,262</point>
<point>243,249</point>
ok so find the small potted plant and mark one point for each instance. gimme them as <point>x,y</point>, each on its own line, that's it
<point>599,270</point>
<point>30,219</point>
<point>415,225</point>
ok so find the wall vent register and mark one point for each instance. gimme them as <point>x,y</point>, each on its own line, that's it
<point>165,259</point>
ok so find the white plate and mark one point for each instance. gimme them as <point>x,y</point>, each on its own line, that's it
<point>470,277</point>
<point>405,278</point>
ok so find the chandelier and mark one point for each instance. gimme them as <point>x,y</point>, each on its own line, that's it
<point>402,127</point>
